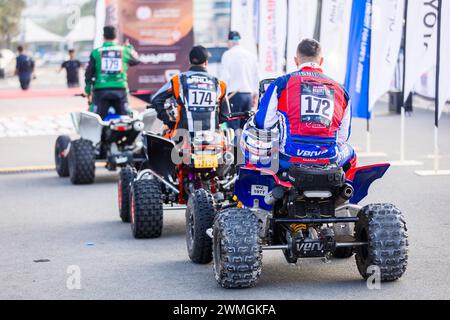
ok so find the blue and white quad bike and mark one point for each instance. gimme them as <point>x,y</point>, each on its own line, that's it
<point>307,212</point>
<point>114,141</point>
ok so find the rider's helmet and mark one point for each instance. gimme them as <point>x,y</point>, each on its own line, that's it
<point>259,146</point>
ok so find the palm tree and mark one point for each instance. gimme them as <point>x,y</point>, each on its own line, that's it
<point>10,16</point>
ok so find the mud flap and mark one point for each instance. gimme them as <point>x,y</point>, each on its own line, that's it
<point>159,154</point>
<point>363,179</point>
<point>253,185</point>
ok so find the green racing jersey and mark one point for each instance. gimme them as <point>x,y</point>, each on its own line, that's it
<point>108,67</point>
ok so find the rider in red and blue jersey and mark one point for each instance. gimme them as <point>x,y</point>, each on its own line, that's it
<point>312,112</point>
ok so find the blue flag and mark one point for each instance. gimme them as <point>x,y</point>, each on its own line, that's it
<point>358,64</point>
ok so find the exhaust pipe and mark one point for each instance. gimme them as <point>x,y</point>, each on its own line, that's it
<point>228,158</point>
<point>348,192</point>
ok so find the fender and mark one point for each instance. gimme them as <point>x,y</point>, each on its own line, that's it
<point>158,151</point>
<point>254,184</point>
<point>362,178</point>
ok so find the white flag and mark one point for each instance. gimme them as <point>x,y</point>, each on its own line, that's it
<point>334,37</point>
<point>272,37</point>
<point>242,13</point>
<point>100,18</point>
<point>444,79</point>
<point>299,28</point>
<point>421,31</point>
<point>387,30</point>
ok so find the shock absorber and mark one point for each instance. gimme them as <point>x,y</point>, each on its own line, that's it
<point>181,184</point>
<point>213,186</point>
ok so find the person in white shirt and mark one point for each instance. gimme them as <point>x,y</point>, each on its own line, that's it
<point>241,74</point>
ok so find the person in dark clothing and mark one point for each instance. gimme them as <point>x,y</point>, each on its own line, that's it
<point>24,68</point>
<point>106,75</point>
<point>201,97</point>
<point>72,67</point>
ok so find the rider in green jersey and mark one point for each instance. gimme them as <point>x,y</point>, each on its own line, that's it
<point>106,75</point>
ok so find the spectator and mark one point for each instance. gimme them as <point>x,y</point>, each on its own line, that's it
<point>72,67</point>
<point>241,74</point>
<point>24,68</point>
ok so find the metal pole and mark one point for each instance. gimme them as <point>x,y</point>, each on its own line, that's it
<point>403,109</point>
<point>438,76</point>
<point>402,134</point>
<point>436,149</point>
<point>369,138</point>
<point>318,27</point>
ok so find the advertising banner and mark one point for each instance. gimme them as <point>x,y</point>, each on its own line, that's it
<point>334,36</point>
<point>444,79</point>
<point>162,34</point>
<point>358,72</point>
<point>421,31</point>
<point>387,30</point>
<point>100,19</point>
<point>272,37</point>
<point>242,20</point>
<point>299,29</point>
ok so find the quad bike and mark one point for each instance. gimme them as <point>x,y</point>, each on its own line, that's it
<point>307,212</point>
<point>197,175</point>
<point>310,211</point>
<point>113,141</point>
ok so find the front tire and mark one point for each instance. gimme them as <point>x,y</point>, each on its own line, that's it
<point>237,250</point>
<point>61,159</point>
<point>82,162</point>
<point>126,177</point>
<point>199,218</point>
<point>146,209</point>
<point>384,228</point>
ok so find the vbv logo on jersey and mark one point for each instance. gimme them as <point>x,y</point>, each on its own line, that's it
<point>311,154</point>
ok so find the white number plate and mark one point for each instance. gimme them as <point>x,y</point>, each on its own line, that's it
<point>259,190</point>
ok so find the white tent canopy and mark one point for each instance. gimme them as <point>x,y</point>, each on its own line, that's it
<point>83,31</point>
<point>33,33</point>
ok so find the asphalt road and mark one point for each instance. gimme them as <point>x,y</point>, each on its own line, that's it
<point>48,225</point>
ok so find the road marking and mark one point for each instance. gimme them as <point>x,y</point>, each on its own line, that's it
<point>30,169</point>
<point>36,169</point>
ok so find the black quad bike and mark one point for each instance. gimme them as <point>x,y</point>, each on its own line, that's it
<point>114,141</point>
<point>197,174</point>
